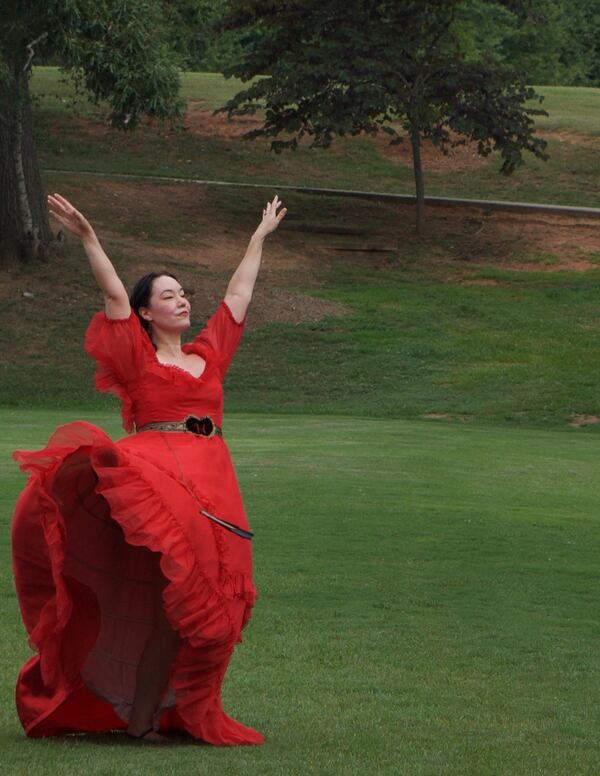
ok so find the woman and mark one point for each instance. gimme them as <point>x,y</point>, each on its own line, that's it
<point>132,559</point>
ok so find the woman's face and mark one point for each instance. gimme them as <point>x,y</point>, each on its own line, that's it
<point>168,307</point>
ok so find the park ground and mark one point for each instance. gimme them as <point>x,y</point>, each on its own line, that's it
<point>414,425</point>
<point>428,604</point>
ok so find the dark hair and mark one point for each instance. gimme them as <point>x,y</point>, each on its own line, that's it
<point>142,291</point>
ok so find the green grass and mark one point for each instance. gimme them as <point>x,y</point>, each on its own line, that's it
<point>55,91</point>
<point>507,354</point>
<point>212,88</point>
<point>428,604</point>
<point>571,108</point>
<point>570,177</point>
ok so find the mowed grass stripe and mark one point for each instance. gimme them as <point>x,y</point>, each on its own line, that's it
<point>428,603</point>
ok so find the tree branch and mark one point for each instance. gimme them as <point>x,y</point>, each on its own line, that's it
<point>31,52</point>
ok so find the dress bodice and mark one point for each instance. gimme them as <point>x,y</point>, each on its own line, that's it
<point>127,366</point>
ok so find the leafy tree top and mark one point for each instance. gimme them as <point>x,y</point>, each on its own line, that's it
<point>337,67</point>
<point>117,50</point>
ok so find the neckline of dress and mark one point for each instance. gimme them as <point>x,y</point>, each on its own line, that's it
<point>180,368</point>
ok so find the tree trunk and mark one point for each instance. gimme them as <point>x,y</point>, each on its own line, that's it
<point>24,228</point>
<point>415,139</point>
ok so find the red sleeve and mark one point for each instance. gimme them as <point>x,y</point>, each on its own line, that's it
<point>119,347</point>
<point>222,334</point>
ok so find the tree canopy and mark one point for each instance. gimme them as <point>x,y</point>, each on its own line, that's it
<point>547,41</point>
<point>118,51</point>
<point>339,67</point>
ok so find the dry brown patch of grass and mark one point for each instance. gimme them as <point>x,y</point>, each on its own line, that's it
<point>574,138</point>
<point>584,420</point>
<point>554,242</point>
<point>205,123</point>
<point>458,158</point>
<point>178,228</point>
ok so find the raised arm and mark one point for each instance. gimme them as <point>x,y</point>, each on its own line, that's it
<point>241,285</point>
<point>116,301</point>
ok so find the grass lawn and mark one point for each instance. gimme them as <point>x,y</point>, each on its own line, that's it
<point>571,108</point>
<point>428,604</point>
<point>210,149</point>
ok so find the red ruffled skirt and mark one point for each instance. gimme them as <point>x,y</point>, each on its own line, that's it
<point>88,530</point>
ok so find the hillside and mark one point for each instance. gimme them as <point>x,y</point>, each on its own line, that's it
<point>489,318</point>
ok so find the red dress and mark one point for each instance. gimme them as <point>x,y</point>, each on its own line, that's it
<point>86,530</point>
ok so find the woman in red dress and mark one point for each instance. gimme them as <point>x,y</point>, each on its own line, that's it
<point>132,559</point>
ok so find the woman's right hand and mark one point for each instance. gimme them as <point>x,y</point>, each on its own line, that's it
<point>71,219</point>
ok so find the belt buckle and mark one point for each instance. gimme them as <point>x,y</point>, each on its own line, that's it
<point>204,426</point>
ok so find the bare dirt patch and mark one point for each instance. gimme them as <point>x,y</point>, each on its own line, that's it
<point>575,138</point>
<point>204,123</point>
<point>480,282</point>
<point>458,158</point>
<point>580,265</point>
<point>565,239</point>
<point>177,228</point>
<point>555,243</point>
<point>583,420</point>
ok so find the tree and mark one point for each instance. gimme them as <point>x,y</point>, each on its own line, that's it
<point>115,50</point>
<point>548,41</point>
<point>531,37</point>
<point>194,32</point>
<point>583,19</point>
<point>339,67</point>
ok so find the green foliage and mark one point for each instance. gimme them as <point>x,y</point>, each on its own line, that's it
<point>194,31</point>
<point>335,70</point>
<point>120,56</point>
<point>585,34</point>
<point>349,67</point>
<point>116,50</point>
<point>482,27</point>
<point>485,104</point>
<point>549,41</point>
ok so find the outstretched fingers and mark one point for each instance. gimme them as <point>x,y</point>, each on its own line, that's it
<point>272,206</point>
<point>62,201</point>
<point>272,218</point>
<point>60,206</point>
<point>62,210</point>
<point>56,207</point>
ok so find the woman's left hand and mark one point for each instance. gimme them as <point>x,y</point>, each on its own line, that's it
<point>271,218</point>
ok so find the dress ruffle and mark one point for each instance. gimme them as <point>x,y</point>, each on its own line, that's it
<point>195,598</point>
<point>121,349</point>
<point>84,476</point>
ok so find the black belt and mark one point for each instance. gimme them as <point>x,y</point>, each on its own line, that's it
<point>204,426</point>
